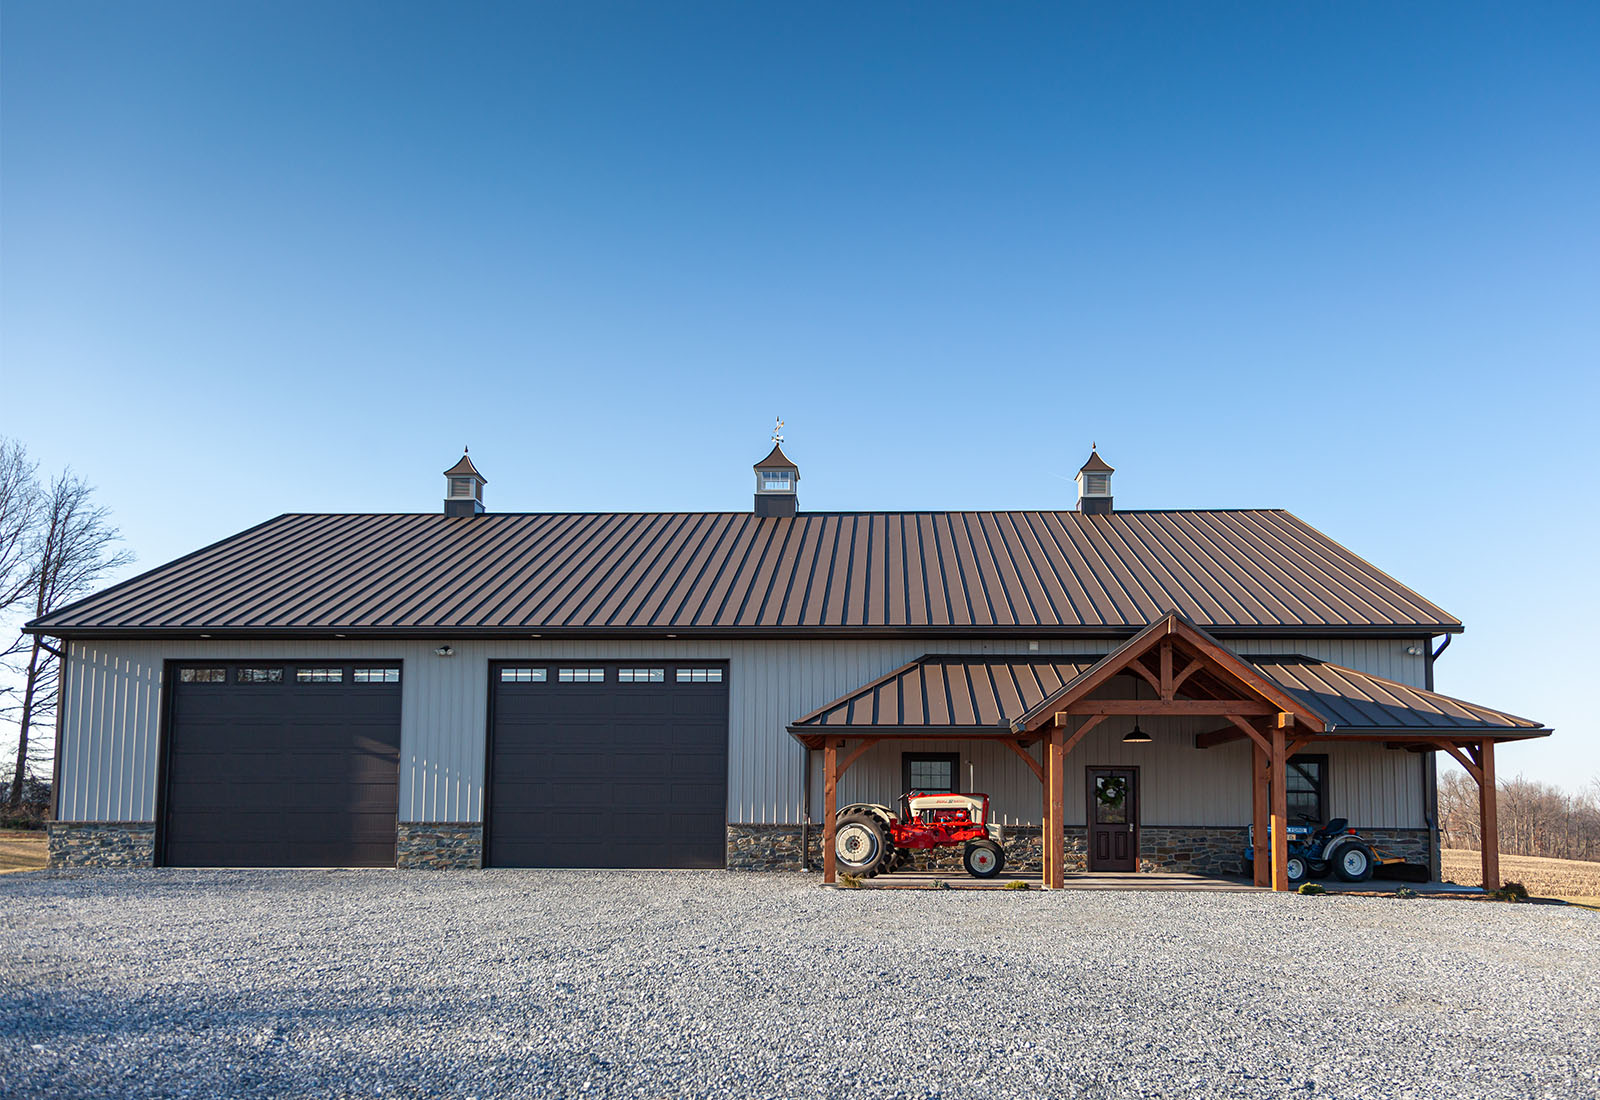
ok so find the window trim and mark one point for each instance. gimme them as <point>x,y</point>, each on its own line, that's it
<point>951,758</point>
<point>1321,759</point>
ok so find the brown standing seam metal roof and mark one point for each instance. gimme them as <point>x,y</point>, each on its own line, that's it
<point>776,460</point>
<point>960,692</point>
<point>733,573</point>
<point>1356,702</point>
<point>983,694</point>
<point>465,466</point>
<point>1096,465</point>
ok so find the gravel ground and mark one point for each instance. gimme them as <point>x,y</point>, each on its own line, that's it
<point>505,983</point>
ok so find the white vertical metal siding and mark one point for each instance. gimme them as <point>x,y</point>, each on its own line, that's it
<point>1374,787</point>
<point>112,714</point>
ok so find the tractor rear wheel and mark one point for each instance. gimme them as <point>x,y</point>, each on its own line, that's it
<point>1353,863</point>
<point>859,843</point>
<point>983,858</point>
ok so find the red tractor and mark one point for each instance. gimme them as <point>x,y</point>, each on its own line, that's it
<point>869,838</point>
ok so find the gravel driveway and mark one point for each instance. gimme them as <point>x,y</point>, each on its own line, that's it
<point>506,983</point>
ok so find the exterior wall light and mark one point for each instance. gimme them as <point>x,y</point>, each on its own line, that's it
<point>445,651</point>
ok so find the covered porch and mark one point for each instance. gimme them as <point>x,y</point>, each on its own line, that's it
<point>1246,717</point>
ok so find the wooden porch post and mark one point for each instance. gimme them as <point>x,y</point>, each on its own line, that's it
<point>830,805</point>
<point>1488,817</point>
<point>1058,805</point>
<point>1044,815</point>
<point>1280,811</point>
<point>1260,815</point>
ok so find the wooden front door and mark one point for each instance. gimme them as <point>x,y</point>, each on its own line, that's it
<point>1113,819</point>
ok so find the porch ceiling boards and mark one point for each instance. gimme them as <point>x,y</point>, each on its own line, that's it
<point>966,695</point>
<point>818,574</point>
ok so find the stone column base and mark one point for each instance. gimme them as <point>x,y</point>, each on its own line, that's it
<point>446,845</point>
<point>102,843</point>
<point>770,847</point>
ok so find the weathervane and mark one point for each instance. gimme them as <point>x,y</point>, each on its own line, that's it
<point>777,432</point>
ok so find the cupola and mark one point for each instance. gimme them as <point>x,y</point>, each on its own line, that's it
<point>1094,485</point>
<point>777,480</point>
<point>463,488</point>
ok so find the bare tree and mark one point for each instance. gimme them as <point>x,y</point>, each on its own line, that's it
<point>71,547</point>
<point>1536,819</point>
<point>19,508</point>
<point>19,512</point>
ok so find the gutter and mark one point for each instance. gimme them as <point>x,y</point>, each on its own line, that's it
<point>718,633</point>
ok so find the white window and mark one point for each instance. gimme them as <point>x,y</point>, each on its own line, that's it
<point>261,675</point>
<point>581,675</point>
<point>1097,485</point>
<point>377,676</point>
<point>319,675</point>
<point>522,676</point>
<point>461,487</point>
<point>699,676</point>
<point>641,675</point>
<point>777,480</point>
<point>203,675</point>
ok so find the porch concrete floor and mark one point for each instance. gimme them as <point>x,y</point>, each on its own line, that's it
<point>1141,880</point>
<point>1132,880</point>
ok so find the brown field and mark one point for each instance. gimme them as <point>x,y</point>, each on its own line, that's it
<point>1571,879</point>
<point>21,850</point>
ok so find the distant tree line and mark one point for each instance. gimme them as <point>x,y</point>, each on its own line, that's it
<point>1536,819</point>
<point>56,544</point>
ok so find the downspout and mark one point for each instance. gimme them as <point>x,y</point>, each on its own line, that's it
<point>805,817</point>
<point>1430,784</point>
<point>61,717</point>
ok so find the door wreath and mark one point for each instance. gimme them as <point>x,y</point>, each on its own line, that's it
<point>1111,790</point>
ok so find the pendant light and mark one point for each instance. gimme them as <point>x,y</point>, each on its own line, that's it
<point>1136,736</point>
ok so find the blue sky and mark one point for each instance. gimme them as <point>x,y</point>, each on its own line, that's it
<point>1343,259</point>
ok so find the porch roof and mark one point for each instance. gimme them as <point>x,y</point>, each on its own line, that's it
<point>988,695</point>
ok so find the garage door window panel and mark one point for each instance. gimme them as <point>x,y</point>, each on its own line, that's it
<point>319,675</point>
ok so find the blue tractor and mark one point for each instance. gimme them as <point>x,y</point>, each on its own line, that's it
<point>1313,853</point>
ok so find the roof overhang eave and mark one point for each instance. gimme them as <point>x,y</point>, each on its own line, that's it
<point>813,736</point>
<point>44,628</point>
<point>1423,735</point>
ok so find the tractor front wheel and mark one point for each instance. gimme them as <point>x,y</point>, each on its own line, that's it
<point>983,859</point>
<point>859,843</point>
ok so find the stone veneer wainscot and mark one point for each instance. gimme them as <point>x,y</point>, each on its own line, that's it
<point>102,843</point>
<point>442,845</point>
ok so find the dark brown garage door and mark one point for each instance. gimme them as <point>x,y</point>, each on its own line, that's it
<point>282,765</point>
<point>600,764</point>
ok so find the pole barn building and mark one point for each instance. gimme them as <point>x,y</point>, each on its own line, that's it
<point>1133,689</point>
